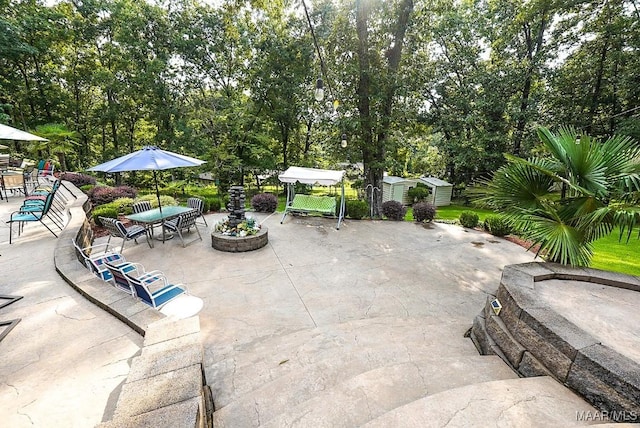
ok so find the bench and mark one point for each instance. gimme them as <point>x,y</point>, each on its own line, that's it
<point>309,203</point>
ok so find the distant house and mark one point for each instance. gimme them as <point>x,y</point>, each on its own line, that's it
<point>439,190</point>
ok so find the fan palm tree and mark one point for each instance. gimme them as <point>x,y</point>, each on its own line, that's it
<point>576,192</point>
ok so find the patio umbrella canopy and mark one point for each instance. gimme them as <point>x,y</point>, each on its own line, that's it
<point>9,133</point>
<point>149,158</point>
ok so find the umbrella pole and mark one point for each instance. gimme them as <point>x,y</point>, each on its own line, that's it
<point>155,180</point>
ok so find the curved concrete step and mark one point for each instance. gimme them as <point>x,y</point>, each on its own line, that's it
<point>367,344</point>
<point>524,402</point>
<point>368,395</point>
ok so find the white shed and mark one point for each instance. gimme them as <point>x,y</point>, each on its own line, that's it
<point>440,191</point>
<point>396,188</point>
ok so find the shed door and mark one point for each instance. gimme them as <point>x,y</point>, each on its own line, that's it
<point>397,193</point>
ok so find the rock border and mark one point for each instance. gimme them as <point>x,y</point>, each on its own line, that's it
<point>535,340</point>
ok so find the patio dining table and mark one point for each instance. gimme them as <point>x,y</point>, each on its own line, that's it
<point>158,216</point>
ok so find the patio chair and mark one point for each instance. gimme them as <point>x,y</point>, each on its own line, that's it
<point>45,171</point>
<point>15,183</point>
<point>95,258</point>
<point>183,221</point>
<point>142,206</point>
<point>198,205</point>
<point>135,270</point>
<point>156,299</point>
<point>21,217</point>
<point>117,229</point>
<point>4,162</point>
<point>35,202</point>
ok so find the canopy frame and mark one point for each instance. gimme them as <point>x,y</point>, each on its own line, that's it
<point>312,176</point>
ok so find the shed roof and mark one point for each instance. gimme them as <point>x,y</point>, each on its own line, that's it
<point>392,179</point>
<point>435,182</point>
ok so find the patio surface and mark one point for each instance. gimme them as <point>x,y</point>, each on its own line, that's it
<point>64,362</point>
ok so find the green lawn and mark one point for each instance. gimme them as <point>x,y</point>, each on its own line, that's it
<point>452,212</point>
<point>610,254</point>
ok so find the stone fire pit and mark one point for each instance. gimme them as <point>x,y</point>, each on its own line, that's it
<point>237,233</point>
<point>238,244</point>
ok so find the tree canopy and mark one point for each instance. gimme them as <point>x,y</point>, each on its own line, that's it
<point>443,87</point>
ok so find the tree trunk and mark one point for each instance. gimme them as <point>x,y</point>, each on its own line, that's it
<point>373,143</point>
<point>533,50</point>
<point>595,98</point>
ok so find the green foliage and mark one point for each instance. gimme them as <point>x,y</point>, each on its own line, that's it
<point>87,188</point>
<point>213,204</point>
<point>153,200</point>
<point>573,195</point>
<point>469,219</point>
<point>393,210</point>
<point>424,212</point>
<point>497,225</point>
<point>123,205</point>
<point>452,212</point>
<point>357,209</point>
<point>106,210</point>
<point>418,193</point>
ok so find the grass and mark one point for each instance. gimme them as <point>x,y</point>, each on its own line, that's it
<point>618,256</point>
<point>452,212</point>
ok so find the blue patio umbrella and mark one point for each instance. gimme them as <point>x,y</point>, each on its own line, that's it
<point>149,158</point>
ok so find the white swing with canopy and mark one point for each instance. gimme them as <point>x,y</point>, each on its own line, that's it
<point>310,203</point>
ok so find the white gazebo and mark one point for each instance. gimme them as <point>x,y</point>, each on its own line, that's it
<point>308,203</point>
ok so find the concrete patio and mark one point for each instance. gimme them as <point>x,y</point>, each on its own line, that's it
<point>319,328</point>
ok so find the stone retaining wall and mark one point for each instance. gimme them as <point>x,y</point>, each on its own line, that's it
<point>536,341</point>
<point>166,386</point>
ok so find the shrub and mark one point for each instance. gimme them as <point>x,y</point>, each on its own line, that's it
<point>418,193</point>
<point>497,225</point>
<point>107,210</point>
<point>357,209</point>
<point>469,219</point>
<point>153,200</point>
<point>101,195</point>
<point>214,204</point>
<point>393,210</point>
<point>87,188</point>
<point>123,205</point>
<point>424,211</point>
<point>78,179</point>
<point>264,202</point>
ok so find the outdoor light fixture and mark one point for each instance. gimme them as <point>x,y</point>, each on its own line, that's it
<point>496,306</point>
<point>578,139</point>
<point>343,142</point>
<point>319,93</point>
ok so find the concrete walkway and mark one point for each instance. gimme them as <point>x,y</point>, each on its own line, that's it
<point>64,361</point>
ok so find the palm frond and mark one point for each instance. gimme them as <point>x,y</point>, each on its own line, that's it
<point>559,242</point>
